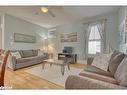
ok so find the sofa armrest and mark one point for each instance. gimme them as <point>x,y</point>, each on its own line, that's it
<point>90,60</point>
<point>12,62</point>
<point>79,82</point>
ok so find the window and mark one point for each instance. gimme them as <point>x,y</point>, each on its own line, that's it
<point>94,43</point>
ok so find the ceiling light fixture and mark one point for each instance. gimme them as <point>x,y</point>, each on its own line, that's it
<point>44,9</point>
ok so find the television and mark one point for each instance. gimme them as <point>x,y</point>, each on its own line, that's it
<point>68,50</point>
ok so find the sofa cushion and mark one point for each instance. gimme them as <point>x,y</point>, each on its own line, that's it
<point>22,60</point>
<point>35,52</point>
<point>121,72</point>
<point>21,53</point>
<point>96,70</point>
<point>115,52</point>
<point>35,58</point>
<point>98,77</point>
<point>27,53</point>
<point>114,63</point>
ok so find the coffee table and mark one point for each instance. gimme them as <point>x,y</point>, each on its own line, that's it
<point>61,63</point>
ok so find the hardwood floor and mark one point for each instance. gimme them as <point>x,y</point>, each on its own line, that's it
<point>19,79</point>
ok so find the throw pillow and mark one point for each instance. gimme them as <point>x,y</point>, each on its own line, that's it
<point>115,52</point>
<point>21,53</point>
<point>114,63</point>
<point>40,53</point>
<point>35,52</point>
<point>16,54</point>
<point>101,61</point>
<point>121,72</point>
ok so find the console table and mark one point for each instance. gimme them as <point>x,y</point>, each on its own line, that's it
<point>68,55</point>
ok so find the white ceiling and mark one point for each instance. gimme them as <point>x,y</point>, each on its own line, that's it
<point>64,14</point>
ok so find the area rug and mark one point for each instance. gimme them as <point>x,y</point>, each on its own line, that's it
<point>53,73</point>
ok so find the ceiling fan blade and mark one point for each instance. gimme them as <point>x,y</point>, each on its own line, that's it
<point>51,13</point>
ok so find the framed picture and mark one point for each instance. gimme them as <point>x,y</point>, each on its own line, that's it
<point>23,38</point>
<point>69,37</point>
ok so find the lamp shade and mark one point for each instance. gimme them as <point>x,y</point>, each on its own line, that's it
<point>44,9</point>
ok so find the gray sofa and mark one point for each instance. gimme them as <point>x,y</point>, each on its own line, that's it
<point>28,58</point>
<point>81,82</point>
<point>95,78</point>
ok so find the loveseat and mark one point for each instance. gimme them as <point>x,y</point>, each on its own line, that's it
<point>23,58</point>
<point>93,77</point>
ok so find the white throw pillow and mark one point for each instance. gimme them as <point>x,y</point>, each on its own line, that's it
<point>16,54</point>
<point>101,61</point>
<point>40,53</point>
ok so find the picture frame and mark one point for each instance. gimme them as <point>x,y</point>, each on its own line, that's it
<point>69,37</point>
<point>24,38</point>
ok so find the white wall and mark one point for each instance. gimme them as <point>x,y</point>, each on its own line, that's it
<point>122,14</point>
<point>79,45</point>
<point>111,33</point>
<point>16,25</point>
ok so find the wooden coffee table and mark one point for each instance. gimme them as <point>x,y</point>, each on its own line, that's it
<point>61,63</point>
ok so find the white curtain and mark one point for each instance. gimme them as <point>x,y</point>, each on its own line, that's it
<point>101,28</point>
<point>87,33</point>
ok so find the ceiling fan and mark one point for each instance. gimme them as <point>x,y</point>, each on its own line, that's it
<point>46,10</point>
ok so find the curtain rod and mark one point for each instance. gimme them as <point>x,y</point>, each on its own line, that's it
<point>95,21</point>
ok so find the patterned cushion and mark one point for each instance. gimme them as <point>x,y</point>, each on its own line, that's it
<point>121,72</point>
<point>101,61</point>
<point>98,77</point>
<point>114,63</point>
<point>16,54</point>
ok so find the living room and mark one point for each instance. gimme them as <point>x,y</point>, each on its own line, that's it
<point>52,49</point>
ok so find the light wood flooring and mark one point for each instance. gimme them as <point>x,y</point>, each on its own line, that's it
<point>19,79</point>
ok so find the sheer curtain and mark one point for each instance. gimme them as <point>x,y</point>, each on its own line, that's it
<point>101,28</point>
<point>87,33</point>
